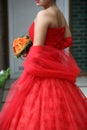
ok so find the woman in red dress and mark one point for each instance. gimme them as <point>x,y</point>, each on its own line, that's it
<point>45,96</point>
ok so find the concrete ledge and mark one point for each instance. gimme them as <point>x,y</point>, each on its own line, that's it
<point>84,90</point>
<point>82,81</point>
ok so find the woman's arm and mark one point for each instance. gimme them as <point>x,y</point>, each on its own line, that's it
<point>40,30</point>
<point>67,40</point>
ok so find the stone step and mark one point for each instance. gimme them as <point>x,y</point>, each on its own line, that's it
<point>81,81</point>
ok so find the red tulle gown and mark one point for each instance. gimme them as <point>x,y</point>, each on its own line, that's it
<point>45,96</point>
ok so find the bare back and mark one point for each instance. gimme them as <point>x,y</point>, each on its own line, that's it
<point>49,18</point>
<point>58,20</point>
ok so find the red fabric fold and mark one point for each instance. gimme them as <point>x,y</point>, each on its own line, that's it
<point>46,61</point>
<point>66,42</point>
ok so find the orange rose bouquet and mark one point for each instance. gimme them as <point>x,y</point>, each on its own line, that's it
<point>21,46</point>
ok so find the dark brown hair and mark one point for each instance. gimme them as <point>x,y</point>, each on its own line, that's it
<point>55,1</point>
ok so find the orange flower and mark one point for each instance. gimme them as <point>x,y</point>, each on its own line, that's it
<point>20,44</point>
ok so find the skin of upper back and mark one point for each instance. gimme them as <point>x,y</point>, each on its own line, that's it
<point>49,17</point>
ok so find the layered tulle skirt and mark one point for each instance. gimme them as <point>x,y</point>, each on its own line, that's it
<point>45,97</point>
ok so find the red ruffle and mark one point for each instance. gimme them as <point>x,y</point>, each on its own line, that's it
<point>46,61</point>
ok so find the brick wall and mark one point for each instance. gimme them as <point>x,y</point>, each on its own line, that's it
<point>79,32</point>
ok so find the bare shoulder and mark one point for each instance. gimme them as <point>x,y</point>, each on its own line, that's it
<point>42,14</point>
<point>67,29</point>
<point>42,18</point>
<point>62,15</point>
<point>41,26</point>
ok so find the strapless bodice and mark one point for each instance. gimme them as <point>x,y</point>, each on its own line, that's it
<point>53,38</point>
